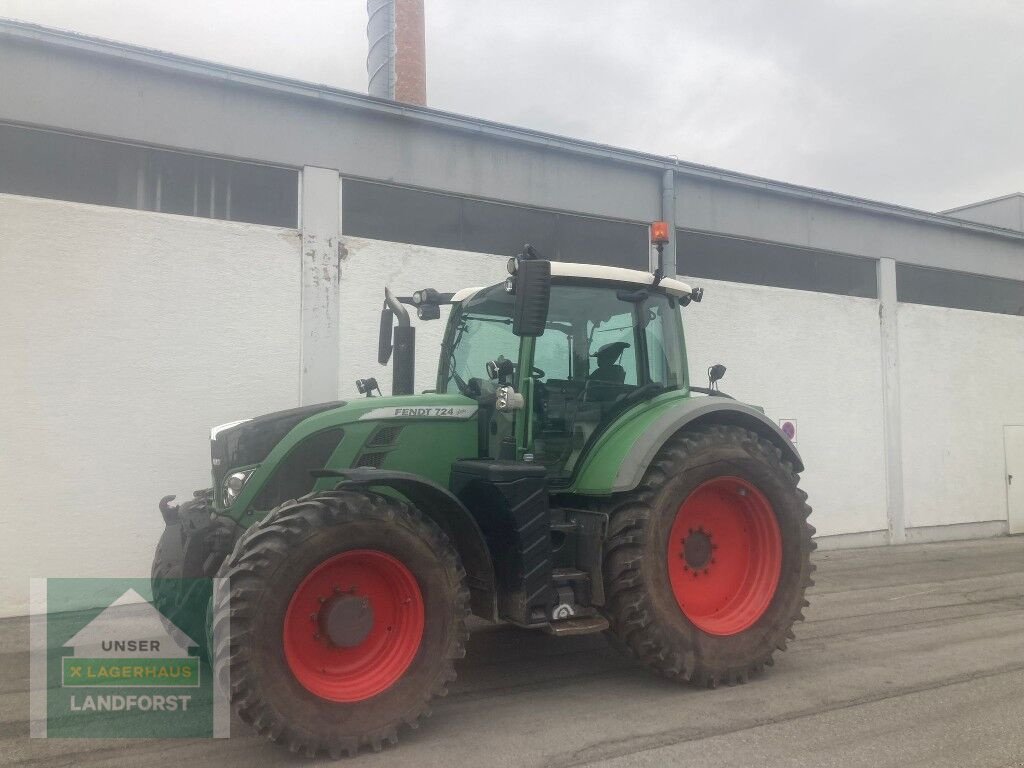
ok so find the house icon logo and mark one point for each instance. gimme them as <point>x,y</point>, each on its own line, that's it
<point>130,644</point>
<point>110,661</point>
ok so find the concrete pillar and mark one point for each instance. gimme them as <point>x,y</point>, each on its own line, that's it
<point>891,400</point>
<point>318,323</point>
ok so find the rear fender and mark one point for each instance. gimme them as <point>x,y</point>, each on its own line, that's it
<point>451,516</point>
<point>629,454</point>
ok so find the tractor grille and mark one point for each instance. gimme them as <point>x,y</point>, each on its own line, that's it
<point>374,460</point>
<point>376,449</point>
<point>385,436</point>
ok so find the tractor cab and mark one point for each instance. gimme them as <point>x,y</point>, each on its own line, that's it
<point>607,341</point>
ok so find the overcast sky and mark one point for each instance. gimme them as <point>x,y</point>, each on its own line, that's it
<point>916,102</point>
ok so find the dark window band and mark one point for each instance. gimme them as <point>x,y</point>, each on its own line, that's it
<point>959,290</point>
<point>719,257</point>
<point>58,166</point>
<point>405,215</point>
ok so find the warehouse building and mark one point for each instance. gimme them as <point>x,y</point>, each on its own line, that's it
<point>183,244</point>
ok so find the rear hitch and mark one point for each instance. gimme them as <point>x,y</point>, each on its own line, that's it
<point>168,510</point>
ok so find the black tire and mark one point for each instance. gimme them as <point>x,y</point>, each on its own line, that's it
<point>642,610</point>
<point>176,577</point>
<point>268,563</point>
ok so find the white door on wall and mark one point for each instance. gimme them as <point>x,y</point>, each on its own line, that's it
<point>1013,438</point>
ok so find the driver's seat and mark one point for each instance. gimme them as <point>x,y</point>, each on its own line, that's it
<point>609,374</point>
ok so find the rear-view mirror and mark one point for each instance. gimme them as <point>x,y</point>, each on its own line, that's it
<point>387,319</point>
<point>532,286</point>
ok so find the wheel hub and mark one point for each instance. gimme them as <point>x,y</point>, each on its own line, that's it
<point>346,620</point>
<point>697,548</point>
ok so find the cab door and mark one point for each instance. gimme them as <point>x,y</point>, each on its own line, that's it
<point>604,350</point>
<point>584,365</point>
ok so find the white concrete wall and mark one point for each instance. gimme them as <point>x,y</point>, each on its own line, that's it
<point>125,336</point>
<point>128,334</point>
<point>812,357</point>
<point>961,380</point>
<point>366,267</point>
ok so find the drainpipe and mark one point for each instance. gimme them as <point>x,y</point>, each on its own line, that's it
<point>668,215</point>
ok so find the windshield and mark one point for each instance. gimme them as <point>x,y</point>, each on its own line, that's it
<point>482,331</point>
<point>593,334</point>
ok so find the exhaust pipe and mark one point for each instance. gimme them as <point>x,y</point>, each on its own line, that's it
<point>403,371</point>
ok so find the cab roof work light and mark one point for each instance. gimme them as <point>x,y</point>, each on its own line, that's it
<point>659,233</point>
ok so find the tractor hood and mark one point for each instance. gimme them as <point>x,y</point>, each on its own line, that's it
<point>247,442</point>
<point>269,459</point>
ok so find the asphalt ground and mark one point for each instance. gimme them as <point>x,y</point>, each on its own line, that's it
<point>910,656</point>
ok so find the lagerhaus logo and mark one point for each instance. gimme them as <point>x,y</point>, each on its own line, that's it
<point>124,669</point>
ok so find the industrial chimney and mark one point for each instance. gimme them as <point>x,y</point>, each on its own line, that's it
<point>396,62</point>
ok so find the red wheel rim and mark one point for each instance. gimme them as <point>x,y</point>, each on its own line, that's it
<point>724,556</point>
<point>384,600</point>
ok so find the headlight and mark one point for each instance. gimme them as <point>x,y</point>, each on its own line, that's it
<point>233,485</point>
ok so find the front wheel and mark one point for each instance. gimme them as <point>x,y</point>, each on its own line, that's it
<point>345,612</point>
<point>180,574</point>
<point>708,559</point>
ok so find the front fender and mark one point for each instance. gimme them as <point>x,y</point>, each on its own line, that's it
<point>451,516</point>
<point>620,458</point>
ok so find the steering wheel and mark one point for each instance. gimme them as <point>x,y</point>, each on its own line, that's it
<point>496,368</point>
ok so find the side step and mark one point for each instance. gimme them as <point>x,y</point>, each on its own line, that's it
<point>585,625</point>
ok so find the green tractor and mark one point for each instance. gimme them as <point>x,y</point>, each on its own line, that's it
<point>562,475</point>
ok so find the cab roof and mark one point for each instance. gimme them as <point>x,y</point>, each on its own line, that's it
<point>598,272</point>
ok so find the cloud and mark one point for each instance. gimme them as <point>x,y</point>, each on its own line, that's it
<point>912,102</point>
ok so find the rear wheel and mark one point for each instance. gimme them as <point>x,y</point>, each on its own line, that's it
<point>708,559</point>
<point>347,610</point>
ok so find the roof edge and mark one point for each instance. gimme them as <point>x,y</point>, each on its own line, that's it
<point>980,203</point>
<point>27,31</point>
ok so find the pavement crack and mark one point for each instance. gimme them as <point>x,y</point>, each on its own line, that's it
<point>1009,602</point>
<point>611,749</point>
